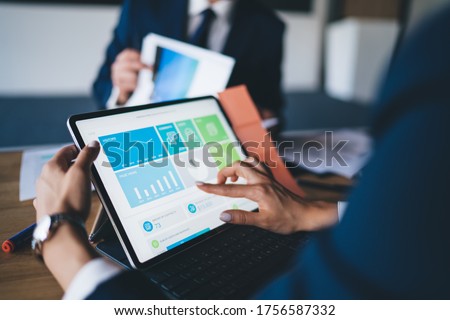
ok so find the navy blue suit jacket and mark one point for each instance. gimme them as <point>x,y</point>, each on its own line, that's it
<point>394,239</point>
<point>255,41</point>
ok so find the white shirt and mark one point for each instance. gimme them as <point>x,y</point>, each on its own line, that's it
<point>218,33</point>
<point>221,25</point>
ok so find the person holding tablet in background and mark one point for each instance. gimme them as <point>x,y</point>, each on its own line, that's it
<point>392,242</point>
<point>242,29</point>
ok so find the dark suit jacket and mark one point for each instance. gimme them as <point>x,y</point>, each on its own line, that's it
<point>394,239</point>
<point>255,41</point>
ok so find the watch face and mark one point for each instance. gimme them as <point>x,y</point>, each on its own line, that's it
<point>42,228</point>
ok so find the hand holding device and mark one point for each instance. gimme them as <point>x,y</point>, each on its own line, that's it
<point>60,189</point>
<point>63,187</point>
<point>145,176</point>
<point>124,73</point>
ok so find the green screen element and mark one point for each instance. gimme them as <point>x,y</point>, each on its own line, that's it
<point>189,134</point>
<point>224,154</point>
<point>211,129</point>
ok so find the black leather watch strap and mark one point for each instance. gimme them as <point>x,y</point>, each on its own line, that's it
<point>47,226</point>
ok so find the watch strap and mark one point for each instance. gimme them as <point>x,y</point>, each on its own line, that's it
<point>56,221</point>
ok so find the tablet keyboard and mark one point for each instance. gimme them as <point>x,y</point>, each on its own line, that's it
<point>233,265</point>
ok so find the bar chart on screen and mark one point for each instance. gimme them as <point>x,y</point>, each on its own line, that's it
<point>151,182</point>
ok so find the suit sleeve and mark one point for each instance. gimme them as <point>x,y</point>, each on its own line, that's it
<point>393,241</point>
<point>256,42</point>
<point>122,39</point>
<point>264,83</point>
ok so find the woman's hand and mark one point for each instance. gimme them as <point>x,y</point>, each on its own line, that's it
<point>279,210</point>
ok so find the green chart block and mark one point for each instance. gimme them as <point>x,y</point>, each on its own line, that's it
<point>211,129</point>
<point>189,134</point>
<point>224,154</point>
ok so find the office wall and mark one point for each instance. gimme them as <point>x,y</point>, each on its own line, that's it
<point>304,43</point>
<point>52,50</point>
<point>57,49</point>
<point>358,51</point>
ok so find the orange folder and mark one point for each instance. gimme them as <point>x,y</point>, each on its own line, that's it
<point>246,123</point>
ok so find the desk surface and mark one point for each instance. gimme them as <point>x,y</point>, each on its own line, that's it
<point>22,276</point>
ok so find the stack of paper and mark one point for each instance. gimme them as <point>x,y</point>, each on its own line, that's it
<point>344,152</point>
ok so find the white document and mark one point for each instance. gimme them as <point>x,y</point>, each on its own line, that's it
<point>311,151</point>
<point>180,70</point>
<point>32,162</point>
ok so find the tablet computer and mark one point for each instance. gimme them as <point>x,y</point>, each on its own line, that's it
<point>180,70</point>
<point>151,156</point>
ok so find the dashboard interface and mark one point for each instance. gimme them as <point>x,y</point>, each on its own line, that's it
<point>149,164</point>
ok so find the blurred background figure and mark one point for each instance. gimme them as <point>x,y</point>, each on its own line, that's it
<point>243,29</point>
<point>334,53</point>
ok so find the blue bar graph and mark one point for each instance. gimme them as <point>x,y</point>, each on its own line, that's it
<point>150,182</point>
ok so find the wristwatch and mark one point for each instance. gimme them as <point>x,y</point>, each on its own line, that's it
<point>47,226</point>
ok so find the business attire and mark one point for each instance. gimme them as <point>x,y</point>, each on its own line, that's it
<point>393,241</point>
<point>242,29</point>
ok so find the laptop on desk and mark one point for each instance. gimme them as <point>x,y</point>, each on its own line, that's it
<point>164,225</point>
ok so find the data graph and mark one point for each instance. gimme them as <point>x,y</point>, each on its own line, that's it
<point>128,149</point>
<point>148,183</point>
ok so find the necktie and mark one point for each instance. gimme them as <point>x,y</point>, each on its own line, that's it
<point>200,36</point>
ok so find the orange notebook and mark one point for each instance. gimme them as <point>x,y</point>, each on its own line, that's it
<point>246,123</point>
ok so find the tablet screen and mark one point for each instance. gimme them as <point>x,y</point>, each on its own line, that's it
<point>149,164</point>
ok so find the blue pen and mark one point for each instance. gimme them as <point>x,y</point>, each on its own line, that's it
<point>19,239</point>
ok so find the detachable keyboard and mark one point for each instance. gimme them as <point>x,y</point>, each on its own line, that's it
<point>231,265</point>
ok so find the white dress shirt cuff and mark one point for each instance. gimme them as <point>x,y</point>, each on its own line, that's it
<point>342,206</point>
<point>89,278</point>
<point>112,101</point>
